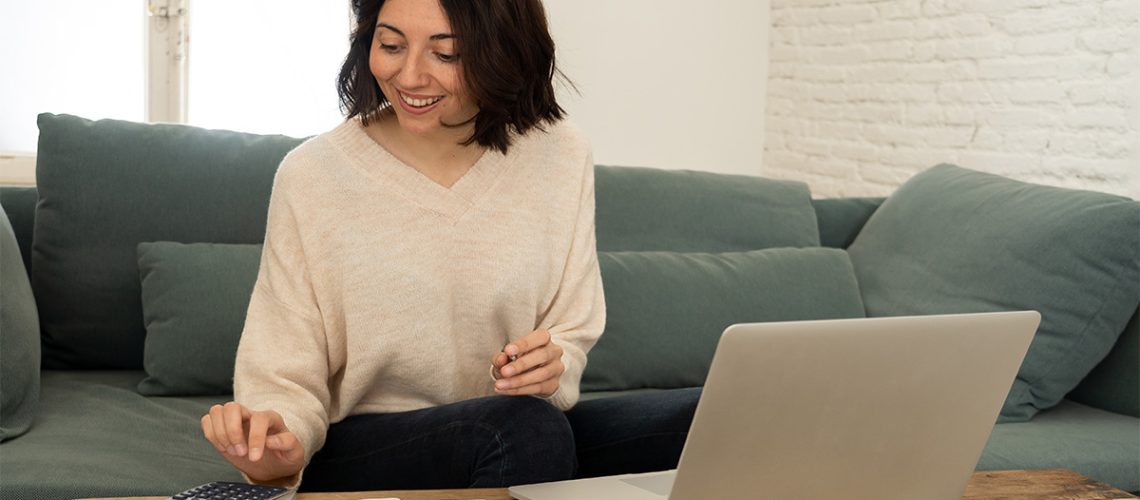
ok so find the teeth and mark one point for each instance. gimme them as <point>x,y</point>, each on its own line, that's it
<point>419,103</point>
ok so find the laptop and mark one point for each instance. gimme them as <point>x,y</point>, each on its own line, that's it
<point>863,408</point>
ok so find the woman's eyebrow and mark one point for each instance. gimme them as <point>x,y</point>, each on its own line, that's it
<point>438,36</point>
<point>393,28</point>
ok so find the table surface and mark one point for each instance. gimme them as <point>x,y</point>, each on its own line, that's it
<point>1009,484</point>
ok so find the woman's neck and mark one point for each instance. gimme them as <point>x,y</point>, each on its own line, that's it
<point>440,156</point>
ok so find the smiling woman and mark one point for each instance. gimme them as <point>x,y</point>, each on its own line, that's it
<point>429,286</point>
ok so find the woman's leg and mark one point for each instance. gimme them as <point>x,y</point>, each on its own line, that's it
<point>636,433</point>
<point>480,443</point>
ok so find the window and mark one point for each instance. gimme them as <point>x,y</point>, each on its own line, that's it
<point>68,56</point>
<point>255,66</point>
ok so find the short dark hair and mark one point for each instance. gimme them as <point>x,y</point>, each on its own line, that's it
<point>506,57</point>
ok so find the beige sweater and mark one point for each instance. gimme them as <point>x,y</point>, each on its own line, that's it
<point>381,291</point>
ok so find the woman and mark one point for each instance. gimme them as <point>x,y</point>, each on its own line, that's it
<point>445,230</point>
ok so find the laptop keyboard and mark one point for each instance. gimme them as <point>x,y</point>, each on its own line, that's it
<point>223,490</point>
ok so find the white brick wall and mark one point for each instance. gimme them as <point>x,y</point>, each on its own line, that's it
<point>862,94</point>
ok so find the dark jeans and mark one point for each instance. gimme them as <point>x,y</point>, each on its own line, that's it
<point>502,441</point>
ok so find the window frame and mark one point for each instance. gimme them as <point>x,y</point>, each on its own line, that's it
<point>168,49</point>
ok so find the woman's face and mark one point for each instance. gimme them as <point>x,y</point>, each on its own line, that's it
<point>414,60</point>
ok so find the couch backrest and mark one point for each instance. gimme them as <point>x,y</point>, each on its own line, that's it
<point>1113,385</point>
<point>104,187</point>
<point>648,209</point>
<point>840,219</point>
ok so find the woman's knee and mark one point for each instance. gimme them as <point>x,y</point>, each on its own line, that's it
<point>662,411</point>
<point>532,437</point>
<point>526,418</point>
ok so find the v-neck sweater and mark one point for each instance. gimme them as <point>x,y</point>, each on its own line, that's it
<point>380,290</point>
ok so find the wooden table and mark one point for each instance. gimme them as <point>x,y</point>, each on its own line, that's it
<point>1010,484</point>
<point>1043,483</point>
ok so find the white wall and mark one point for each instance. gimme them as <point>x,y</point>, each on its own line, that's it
<point>228,89</point>
<point>667,83</point>
<point>864,94</point>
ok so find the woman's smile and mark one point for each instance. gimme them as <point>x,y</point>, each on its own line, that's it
<point>417,104</point>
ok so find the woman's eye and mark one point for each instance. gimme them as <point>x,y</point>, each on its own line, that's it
<point>389,48</point>
<point>447,58</point>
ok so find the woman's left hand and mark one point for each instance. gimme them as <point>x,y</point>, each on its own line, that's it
<point>535,371</point>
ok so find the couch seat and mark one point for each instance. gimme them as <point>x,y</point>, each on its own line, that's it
<point>95,436</point>
<point>1102,445</point>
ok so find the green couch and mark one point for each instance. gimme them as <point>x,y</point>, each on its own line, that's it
<point>692,251</point>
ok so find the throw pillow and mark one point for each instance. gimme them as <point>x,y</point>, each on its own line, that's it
<point>19,339</point>
<point>952,240</point>
<point>194,301</point>
<point>642,209</point>
<point>666,311</point>
<point>107,185</point>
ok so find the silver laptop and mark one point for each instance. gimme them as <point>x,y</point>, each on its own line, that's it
<point>862,408</point>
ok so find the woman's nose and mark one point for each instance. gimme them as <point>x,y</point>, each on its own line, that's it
<point>412,75</point>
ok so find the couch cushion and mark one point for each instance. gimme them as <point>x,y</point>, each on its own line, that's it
<point>194,299</point>
<point>666,311</point>
<point>108,185</point>
<point>1099,444</point>
<point>19,338</point>
<point>952,240</point>
<point>96,437</point>
<point>642,209</point>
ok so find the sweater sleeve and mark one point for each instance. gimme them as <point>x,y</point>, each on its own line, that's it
<point>282,357</point>
<point>577,313</point>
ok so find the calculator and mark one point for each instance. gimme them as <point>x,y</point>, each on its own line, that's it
<point>222,490</point>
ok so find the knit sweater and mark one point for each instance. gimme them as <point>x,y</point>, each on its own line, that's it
<point>382,291</point>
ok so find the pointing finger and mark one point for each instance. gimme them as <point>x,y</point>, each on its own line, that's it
<point>235,427</point>
<point>258,425</point>
<point>218,421</point>
<point>208,431</point>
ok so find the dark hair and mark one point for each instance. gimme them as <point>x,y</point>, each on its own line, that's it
<point>506,59</point>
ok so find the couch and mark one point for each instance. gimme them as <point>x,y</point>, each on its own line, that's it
<point>139,242</point>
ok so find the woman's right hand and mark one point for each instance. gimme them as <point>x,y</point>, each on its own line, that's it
<point>256,442</point>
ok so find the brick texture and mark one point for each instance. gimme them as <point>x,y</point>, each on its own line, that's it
<point>863,94</point>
